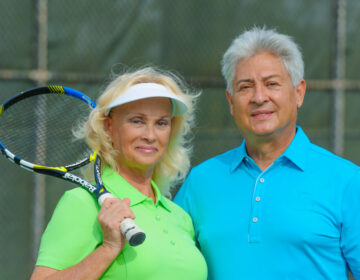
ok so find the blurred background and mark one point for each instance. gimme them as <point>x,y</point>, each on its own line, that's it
<point>80,43</point>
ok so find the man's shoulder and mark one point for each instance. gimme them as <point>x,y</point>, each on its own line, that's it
<point>176,209</point>
<point>327,158</point>
<point>178,214</point>
<point>223,160</point>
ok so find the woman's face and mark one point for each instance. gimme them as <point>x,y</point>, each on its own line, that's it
<point>140,131</point>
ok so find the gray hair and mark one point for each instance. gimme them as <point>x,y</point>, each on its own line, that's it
<point>259,40</point>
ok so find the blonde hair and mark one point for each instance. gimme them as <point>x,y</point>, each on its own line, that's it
<point>175,163</point>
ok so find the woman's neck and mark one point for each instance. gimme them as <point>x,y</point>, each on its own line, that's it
<point>139,179</point>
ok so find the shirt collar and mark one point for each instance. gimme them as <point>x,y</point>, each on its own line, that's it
<point>239,155</point>
<point>119,187</point>
<point>295,152</point>
<point>160,199</point>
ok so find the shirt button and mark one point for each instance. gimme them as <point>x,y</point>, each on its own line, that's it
<point>172,242</point>
<point>255,219</point>
<point>258,198</point>
<point>262,180</point>
<point>157,218</point>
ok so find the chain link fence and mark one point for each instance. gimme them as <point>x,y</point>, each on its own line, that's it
<point>80,43</point>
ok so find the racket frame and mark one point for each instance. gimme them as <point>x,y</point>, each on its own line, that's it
<point>133,234</point>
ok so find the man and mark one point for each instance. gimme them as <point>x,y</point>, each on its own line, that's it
<point>277,207</point>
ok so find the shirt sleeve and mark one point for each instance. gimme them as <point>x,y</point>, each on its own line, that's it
<point>185,199</point>
<point>72,233</point>
<point>181,198</point>
<point>350,235</point>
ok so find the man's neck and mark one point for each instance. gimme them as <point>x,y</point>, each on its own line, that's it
<point>264,151</point>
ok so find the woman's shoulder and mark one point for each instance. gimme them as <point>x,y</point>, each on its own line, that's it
<point>79,194</point>
<point>76,209</point>
<point>77,200</point>
<point>72,232</point>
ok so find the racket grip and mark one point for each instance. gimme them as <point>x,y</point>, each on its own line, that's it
<point>132,233</point>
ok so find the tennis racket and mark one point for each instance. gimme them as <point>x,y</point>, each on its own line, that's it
<point>35,134</point>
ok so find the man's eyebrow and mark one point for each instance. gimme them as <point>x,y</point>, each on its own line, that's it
<point>244,81</point>
<point>252,81</point>
<point>270,77</point>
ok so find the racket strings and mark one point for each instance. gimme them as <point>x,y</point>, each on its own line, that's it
<point>39,129</point>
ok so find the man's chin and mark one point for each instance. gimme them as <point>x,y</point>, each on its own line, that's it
<point>264,132</point>
<point>273,132</point>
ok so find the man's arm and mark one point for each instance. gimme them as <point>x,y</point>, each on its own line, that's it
<point>350,234</point>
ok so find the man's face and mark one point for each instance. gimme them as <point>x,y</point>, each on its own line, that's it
<point>264,101</point>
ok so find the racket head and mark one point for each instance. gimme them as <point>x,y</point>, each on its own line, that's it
<point>36,128</point>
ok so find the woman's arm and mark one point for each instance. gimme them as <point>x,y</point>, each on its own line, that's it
<point>92,267</point>
<point>111,214</point>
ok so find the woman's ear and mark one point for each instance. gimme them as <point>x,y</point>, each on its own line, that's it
<point>108,126</point>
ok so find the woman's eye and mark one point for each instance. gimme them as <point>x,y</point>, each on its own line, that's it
<point>163,123</point>
<point>136,121</point>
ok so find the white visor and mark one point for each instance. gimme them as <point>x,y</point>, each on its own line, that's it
<point>148,90</point>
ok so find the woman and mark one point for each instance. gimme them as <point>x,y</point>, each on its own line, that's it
<point>139,128</point>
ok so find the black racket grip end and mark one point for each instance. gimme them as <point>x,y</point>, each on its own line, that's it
<point>137,239</point>
<point>135,236</point>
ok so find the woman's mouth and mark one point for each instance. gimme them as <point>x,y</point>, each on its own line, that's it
<point>146,149</point>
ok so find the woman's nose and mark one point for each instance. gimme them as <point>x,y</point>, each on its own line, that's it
<point>149,133</point>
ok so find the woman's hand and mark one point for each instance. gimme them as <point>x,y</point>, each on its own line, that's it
<point>112,213</point>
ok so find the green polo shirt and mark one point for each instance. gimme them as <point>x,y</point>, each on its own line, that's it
<point>169,251</point>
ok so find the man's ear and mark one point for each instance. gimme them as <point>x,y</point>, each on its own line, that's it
<point>300,93</point>
<point>230,100</point>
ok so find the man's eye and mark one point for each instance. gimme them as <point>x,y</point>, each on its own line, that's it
<point>244,87</point>
<point>272,84</point>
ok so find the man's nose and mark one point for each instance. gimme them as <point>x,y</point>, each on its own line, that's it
<point>259,95</point>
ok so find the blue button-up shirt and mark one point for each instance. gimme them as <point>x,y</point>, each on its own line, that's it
<point>298,219</point>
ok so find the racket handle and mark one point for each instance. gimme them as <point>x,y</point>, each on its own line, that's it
<point>132,233</point>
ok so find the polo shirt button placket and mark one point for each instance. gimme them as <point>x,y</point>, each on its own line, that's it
<point>254,234</point>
